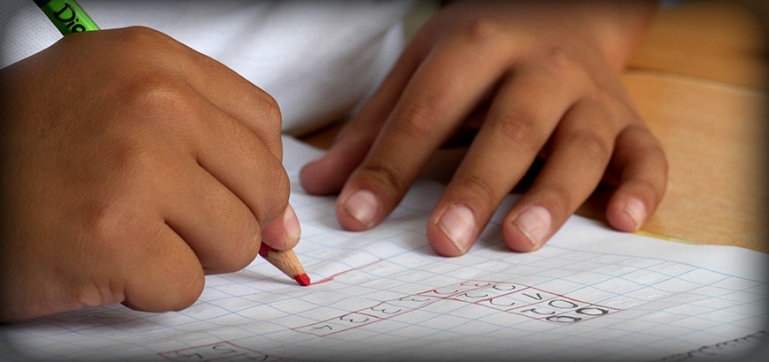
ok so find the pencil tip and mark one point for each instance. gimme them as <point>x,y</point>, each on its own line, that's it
<point>302,279</point>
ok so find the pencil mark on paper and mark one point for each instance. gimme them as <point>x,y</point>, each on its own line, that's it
<point>504,297</point>
<point>222,351</point>
<point>346,271</point>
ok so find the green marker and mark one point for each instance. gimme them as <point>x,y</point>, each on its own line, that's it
<point>67,15</point>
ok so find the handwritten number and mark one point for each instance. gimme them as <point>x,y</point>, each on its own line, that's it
<point>494,302</point>
<point>189,355</point>
<point>497,287</point>
<point>559,304</point>
<point>536,296</point>
<point>586,310</point>
<point>223,349</point>
<point>534,310</point>
<point>384,310</point>
<point>352,320</point>
<point>475,297</point>
<point>563,319</point>
<point>565,304</point>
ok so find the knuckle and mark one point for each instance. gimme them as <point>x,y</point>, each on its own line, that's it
<point>114,227</point>
<point>480,189</point>
<point>587,142</point>
<point>140,34</point>
<point>133,162</point>
<point>271,114</point>
<point>385,177</point>
<point>114,218</point>
<point>417,122</point>
<point>274,200</point>
<point>482,31</point>
<point>106,223</point>
<point>149,81</point>
<point>558,59</point>
<point>96,293</point>
<point>154,93</point>
<point>139,44</point>
<point>139,38</point>
<point>520,128</point>
<point>282,190</point>
<point>603,98</point>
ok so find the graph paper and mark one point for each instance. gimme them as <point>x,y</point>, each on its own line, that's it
<point>589,294</point>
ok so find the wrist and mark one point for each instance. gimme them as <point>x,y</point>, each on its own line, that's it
<point>618,26</point>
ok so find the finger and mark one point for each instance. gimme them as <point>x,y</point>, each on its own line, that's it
<point>642,168</point>
<point>215,223</point>
<point>164,274</point>
<point>211,181</point>
<point>521,118</point>
<point>429,110</point>
<point>239,160</point>
<point>240,99</point>
<point>232,186</point>
<point>581,149</point>
<point>327,174</point>
<point>284,232</point>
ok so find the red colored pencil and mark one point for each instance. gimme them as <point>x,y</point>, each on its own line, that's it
<point>286,261</point>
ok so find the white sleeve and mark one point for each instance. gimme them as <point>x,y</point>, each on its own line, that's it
<point>318,59</point>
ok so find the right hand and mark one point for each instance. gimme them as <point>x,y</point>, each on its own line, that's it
<point>132,166</point>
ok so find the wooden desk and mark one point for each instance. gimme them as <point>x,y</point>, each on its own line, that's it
<point>699,80</point>
<point>711,40</point>
<point>714,136</point>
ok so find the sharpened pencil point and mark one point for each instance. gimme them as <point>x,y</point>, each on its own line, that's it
<point>286,261</point>
<point>302,279</point>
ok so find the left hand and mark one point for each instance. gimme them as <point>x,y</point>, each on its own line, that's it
<point>539,79</point>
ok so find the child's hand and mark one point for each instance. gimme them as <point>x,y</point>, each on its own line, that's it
<point>131,167</point>
<point>538,79</point>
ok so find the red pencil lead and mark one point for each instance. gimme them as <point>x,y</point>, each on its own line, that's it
<point>302,279</point>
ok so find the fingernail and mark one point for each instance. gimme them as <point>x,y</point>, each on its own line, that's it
<point>362,205</point>
<point>636,210</point>
<point>534,223</point>
<point>291,224</point>
<point>458,224</point>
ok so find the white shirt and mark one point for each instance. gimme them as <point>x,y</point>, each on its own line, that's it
<point>318,59</point>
